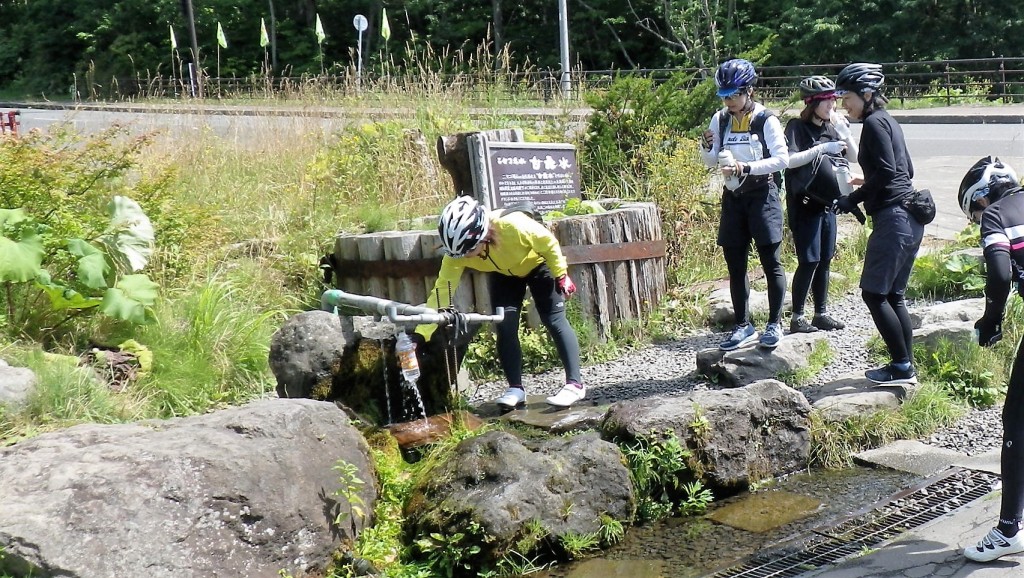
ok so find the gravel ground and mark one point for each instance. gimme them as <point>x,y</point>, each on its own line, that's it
<point>670,368</point>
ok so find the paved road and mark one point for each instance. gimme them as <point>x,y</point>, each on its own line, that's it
<point>943,153</point>
<point>944,142</point>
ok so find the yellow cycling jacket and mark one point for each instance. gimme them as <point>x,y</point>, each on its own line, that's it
<point>520,245</point>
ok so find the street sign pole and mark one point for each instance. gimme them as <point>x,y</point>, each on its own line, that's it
<point>563,37</point>
<point>360,23</point>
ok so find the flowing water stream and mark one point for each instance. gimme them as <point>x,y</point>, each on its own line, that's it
<point>739,527</point>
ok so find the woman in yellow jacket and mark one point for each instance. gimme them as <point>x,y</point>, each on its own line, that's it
<point>518,252</point>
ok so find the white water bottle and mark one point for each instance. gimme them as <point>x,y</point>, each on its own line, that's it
<point>725,159</point>
<point>843,178</point>
<point>406,351</point>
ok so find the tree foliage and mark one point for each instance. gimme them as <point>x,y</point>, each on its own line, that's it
<point>55,46</point>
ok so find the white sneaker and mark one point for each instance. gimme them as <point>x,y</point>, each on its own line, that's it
<point>994,545</point>
<point>512,397</point>
<point>568,395</point>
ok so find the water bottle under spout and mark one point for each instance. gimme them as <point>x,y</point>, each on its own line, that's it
<point>725,159</point>
<point>406,351</point>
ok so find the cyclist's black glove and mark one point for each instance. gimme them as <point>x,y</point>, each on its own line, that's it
<point>987,332</point>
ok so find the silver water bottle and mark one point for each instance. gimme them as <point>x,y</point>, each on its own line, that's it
<point>843,178</point>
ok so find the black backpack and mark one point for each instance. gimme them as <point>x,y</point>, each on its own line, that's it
<point>756,127</point>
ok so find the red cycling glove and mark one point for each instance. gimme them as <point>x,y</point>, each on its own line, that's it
<point>566,286</point>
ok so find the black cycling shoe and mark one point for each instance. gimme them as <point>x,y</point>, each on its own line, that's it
<point>892,375</point>
<point>800,324</point>
<point>827,322</point>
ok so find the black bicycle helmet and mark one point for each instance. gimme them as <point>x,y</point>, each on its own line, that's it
<point>861,76</point>
<point>990,179</point>
<point>817,88</point>
<point>734,75</point>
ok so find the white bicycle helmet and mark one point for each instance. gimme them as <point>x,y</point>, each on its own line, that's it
<point>990,179</point>
<point>463,224</point>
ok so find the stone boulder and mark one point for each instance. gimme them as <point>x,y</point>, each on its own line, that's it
<point>16,385</point>
<point>720,309</point>
<point>960,333</point>
<point>752,363</point>
<point>499,490</point>
<point>737,436</point>
<point>247,491</point>
<point>306,353</point>
<point>324,356</point>
<point>961,310</point>
<point>853,395</point>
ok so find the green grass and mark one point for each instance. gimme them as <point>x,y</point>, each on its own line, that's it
<point>833,444</point>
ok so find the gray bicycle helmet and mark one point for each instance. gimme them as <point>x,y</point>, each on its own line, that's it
<point>734,75</point>
<point>817,88</point>
<point>462,226</point>
<point>860,77</point>
<point>989,178</point>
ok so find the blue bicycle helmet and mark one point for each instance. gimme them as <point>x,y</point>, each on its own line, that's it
<point>733,76</point>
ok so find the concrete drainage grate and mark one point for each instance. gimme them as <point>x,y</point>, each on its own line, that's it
<point>908,509</point>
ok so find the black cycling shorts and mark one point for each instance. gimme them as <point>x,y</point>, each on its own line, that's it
<point>755,214</point>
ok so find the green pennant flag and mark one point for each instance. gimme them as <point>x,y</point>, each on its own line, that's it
<point>221,39</point>
<point>174,41</point>
<point>320,36</point>
<point>385,27</point>
<point>264,37</point>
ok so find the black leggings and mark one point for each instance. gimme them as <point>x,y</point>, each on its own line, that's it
<point>811,276</point>
<point>892,319</point>
<point>509,292</point>
<point>739,283</point>
<point>1012,457</point>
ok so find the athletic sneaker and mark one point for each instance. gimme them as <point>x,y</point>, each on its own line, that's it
<point>772,336</point>
<point>512,397</point>
<point>892,375</point>
<point>741,335</point>
<point>800,324</point>
<point>568,395</point>
<point>994,545</point>
<point>827,322</point>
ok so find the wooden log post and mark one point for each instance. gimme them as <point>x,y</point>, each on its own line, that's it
<point>453,154</point>
<point>402,246</point>
<point>617,260</point>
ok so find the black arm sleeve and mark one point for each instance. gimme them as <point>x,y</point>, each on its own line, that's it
<point>997,283</point>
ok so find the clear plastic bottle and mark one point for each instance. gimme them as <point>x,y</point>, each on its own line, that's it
<point>725,159</point>
<point>406,351</point>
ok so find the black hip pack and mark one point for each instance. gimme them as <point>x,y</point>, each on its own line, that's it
<point>920,205</point>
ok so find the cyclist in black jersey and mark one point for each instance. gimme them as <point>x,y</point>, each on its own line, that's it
<point>896,235</point>
<point>988,195</point>
<point>818,132</point>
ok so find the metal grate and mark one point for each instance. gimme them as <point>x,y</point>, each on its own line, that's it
<point>908,509</point>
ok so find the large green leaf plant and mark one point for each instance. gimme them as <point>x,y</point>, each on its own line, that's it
<point>98,275</point>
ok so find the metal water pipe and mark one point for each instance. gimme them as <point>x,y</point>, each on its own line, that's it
<point>403,313</point>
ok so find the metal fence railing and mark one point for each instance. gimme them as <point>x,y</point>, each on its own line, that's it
<point>948,81</point>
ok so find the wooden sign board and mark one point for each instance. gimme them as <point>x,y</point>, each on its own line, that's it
<point>545,174</point>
